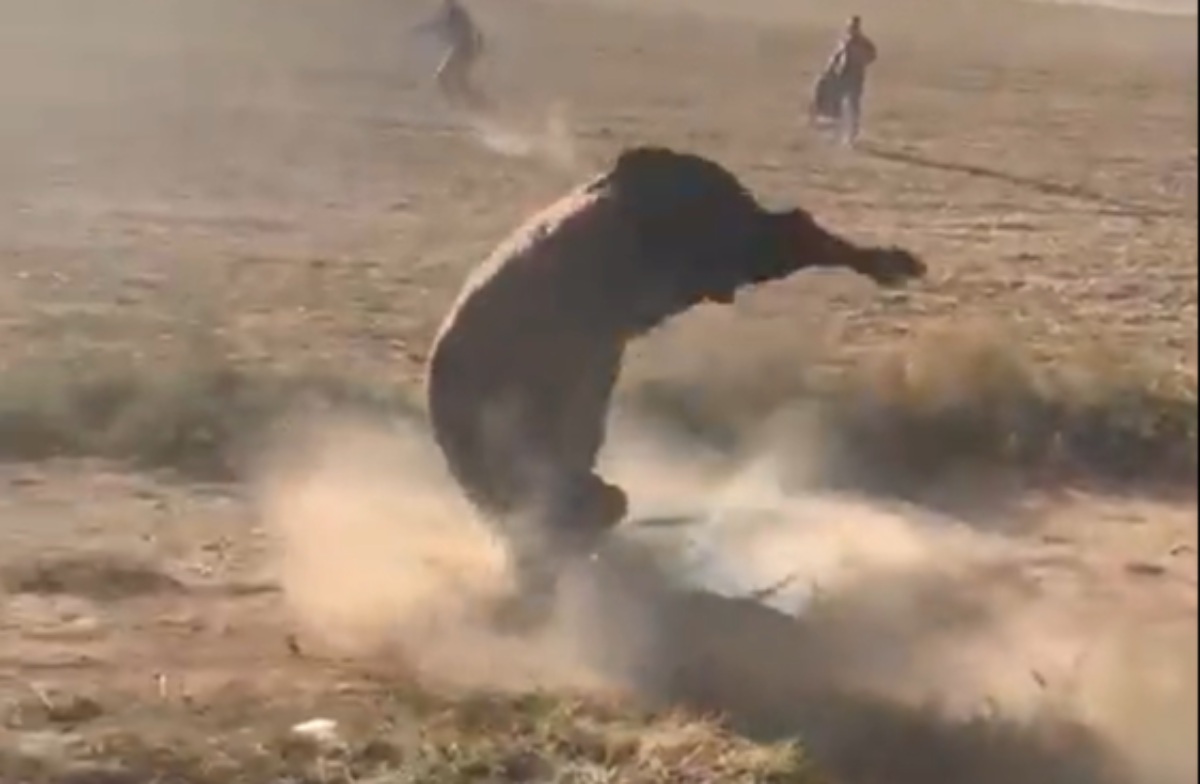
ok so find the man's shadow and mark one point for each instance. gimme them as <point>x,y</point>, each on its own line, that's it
<point>1045,187</point>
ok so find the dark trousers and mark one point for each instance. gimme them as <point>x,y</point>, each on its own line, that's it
<point>851,109</point>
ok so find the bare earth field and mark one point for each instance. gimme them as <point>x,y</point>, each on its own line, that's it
<point>272,189</point>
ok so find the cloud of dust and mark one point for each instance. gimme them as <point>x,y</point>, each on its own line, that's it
<point>925,617</point>
<point>509,126</point>
<point>377,553</point>
<point>1160,7</point>
<point>921,610</point>
<point>551,143</point>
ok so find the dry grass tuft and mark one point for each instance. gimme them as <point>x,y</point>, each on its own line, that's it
<point>100,576</point>
<point>897,422</point>
<point>404,734</point>
<point>393,738</point>
<point>199,417</point>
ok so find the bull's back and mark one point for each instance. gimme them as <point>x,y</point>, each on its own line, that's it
<point>545,294</point>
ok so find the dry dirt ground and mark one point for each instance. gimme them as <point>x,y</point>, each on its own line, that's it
<point>276,182</point>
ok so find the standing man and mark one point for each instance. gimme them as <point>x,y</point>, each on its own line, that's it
<point>840,88</point>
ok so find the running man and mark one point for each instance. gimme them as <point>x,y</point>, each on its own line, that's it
<point>464,45</point>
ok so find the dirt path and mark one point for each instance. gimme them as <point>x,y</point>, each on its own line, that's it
<point>155,594</point>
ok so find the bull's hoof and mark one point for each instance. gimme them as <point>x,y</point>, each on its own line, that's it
<point>531,606</point>
<point>522,614</point>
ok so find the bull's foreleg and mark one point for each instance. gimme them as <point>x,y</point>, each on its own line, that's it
<point>593,504</point>
<point>573,508</point>
<point>567,530</point>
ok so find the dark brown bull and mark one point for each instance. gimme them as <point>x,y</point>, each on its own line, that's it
<point>522,370</point>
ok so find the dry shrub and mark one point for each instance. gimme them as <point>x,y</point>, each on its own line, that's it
<point>907,418</point>
<point>900,421</point>
<point>100,576</point>
<point>200,416</point>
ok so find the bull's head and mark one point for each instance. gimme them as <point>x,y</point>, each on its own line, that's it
<point>703,237</point>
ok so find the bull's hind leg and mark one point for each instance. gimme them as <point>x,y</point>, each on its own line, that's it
<point>565,531</point>
<point>567,508</point>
